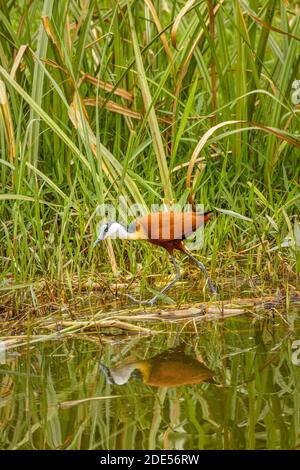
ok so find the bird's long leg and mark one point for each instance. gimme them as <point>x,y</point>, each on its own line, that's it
<point>164,290</point>
<point>202,267</point>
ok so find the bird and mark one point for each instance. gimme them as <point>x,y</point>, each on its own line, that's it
<point>166,229</point>
<point>171,368</point>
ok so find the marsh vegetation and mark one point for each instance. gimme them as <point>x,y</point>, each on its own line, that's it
<point>148,102</point>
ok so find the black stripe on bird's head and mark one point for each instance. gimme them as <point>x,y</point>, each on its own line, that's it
<point>113,230</point>
<point>103,232</point>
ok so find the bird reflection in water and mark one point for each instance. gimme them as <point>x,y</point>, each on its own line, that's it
<point>169,369</point>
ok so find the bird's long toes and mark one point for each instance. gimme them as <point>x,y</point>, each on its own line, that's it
<point>142,302</point>
<point>133,299</point>
<point>150,302</point>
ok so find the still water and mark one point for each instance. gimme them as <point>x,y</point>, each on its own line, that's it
<point>231,384</point>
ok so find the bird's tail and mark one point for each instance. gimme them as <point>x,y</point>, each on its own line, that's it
<point>207,216</point>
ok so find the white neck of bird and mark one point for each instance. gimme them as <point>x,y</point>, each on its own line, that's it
<point>119,231</point>
<point>121,375</point>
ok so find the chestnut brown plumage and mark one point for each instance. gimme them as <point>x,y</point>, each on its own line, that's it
<point>172,368</point>
<point>165,229</point>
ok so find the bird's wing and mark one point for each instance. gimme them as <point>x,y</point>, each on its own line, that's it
<point>169,225</point>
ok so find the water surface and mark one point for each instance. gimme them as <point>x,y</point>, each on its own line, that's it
<point>232,384</point>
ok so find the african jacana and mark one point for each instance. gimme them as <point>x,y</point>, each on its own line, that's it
<point>169,369</point>
<point>166,229</point>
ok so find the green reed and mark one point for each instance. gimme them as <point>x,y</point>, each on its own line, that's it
<point>109,99</point>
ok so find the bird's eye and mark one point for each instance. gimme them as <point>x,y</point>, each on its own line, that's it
<point>106,229</point>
